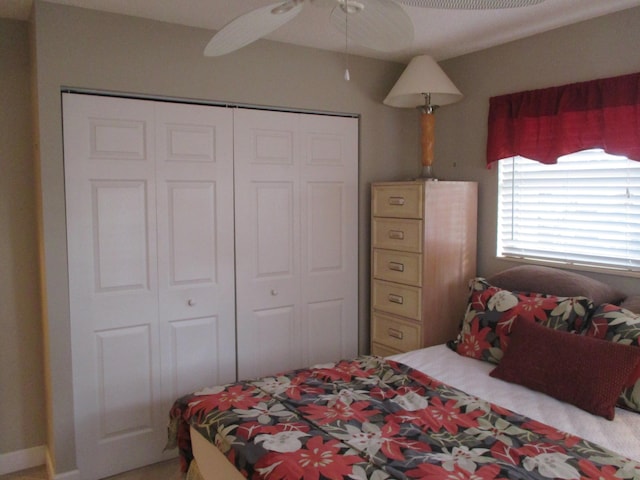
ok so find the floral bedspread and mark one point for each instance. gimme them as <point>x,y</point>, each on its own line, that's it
<point>375,419</point>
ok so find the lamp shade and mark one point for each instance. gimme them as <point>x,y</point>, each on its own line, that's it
<point>422,75</point>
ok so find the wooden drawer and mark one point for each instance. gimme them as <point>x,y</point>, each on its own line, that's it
<point>403,300</point>
<point>395,234</point>
<point>400,201</point>
<point>394,333</point>
<point>383,350</point>
<point>399,267</point>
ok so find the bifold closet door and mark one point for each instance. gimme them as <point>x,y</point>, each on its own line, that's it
<point>196,286</point>
<point>296,204</point>
<point>150,242</point>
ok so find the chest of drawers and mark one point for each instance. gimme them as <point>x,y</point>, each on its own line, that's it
<point>423,253</point>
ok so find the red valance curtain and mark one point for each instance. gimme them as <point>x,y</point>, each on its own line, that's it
<point>545,124</point>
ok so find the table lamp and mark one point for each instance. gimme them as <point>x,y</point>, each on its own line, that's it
<point>423,84</point>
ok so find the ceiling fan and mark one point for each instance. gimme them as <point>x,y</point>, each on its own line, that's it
<point>381,25</point>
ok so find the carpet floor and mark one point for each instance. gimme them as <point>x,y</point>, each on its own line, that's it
<point>169,470</point>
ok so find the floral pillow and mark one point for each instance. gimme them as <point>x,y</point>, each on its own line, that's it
<point>492,311</point>
<point>619,325</point>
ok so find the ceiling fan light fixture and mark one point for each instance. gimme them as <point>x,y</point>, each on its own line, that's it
<point>381,25</point>
<point>469,4</point>
<point>351,7</point>
<point>285,7</point>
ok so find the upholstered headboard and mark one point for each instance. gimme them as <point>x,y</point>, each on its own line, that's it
<point>535,278</point>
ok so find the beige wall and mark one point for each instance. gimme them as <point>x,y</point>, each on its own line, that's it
<point>80,48</point>
<point>603,47</point>
<point>21,378</point>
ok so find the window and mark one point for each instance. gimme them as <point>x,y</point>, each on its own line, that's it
<point>582,211</point>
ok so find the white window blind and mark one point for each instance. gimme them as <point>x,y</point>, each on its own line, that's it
<point>585,210</point>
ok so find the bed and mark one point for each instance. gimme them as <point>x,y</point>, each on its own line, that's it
<point>430,413</point>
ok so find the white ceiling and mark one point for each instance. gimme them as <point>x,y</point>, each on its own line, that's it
<point>441,33</point>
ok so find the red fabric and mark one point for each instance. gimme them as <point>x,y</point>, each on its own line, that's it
<point>587,372</point>
<point>545,124</point>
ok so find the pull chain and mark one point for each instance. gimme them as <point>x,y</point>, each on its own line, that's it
<point>347,76</point>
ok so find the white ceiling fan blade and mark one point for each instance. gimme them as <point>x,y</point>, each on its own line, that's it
<point>381,25</point>
<point>252,26</point>
<point>469,4</point>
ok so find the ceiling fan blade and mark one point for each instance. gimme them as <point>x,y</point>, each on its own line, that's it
<point>381,25</point>
<point>252,26</point>
<point>469,4</point>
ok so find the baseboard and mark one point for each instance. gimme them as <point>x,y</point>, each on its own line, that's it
<point>71,475</point>
<point>22,459</point>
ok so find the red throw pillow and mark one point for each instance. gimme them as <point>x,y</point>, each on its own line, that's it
<point>584,371</point>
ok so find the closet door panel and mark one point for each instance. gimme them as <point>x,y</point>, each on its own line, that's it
<point>276,330</point>
<point>191,218</point>
<point>194,168</point>
<point>192,342</point>
<point>329,236</point>
<point>267,245</point>
<point>149,191</point>
<point>110,200</point>
<point>296,252</point>
<point>125,365</point>
<point>190,264</point>
<point>266,238</point>
<point>325,202</point>
<point>119,211</point>
<point>325,318</point>
<point>273,210</point>
<point>267,300</point>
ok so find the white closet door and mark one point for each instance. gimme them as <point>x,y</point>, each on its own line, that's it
<point>113,290</point>
<point>194,159</point>
<point>329,237</point>
<point>296,240</point>
<point>139,249</point>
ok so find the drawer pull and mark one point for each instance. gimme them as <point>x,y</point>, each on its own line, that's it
<point>396,298</point>
<point>395,333</point>
<point>396,234</point>
<point>396,267</point>
<point>396,200</point>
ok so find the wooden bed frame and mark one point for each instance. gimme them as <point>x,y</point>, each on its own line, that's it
<point>211,463</point>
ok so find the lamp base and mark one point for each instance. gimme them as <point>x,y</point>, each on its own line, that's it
<point>427,174</point>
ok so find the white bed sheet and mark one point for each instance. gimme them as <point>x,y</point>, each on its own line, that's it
<point>622,435</point>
